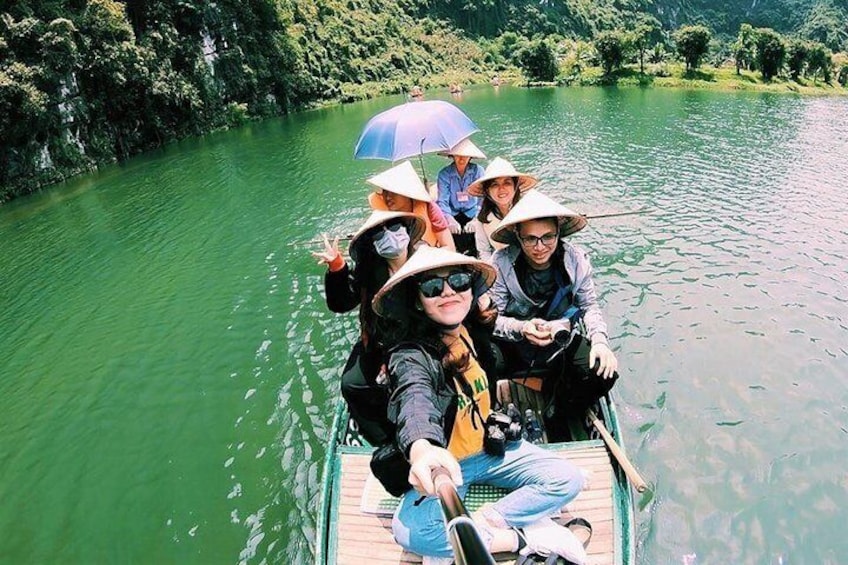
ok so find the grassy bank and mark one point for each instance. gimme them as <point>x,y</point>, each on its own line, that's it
<point>674,75</point>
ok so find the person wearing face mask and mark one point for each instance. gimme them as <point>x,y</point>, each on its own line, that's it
<point>400,189</point>
<point>379,248</point>
<point>500,187</point>
<point>545,288</point>
<point>459,206</point>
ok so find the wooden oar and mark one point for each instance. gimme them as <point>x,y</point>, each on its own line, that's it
<point>614,214</point>
<point>348,237</point>
<point>635,478</point>
<point>467,544</point>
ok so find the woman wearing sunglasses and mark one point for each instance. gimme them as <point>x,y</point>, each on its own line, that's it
<point>500,187</point>
<point>379,248</point>
<point>544,290</point>
<point>440,402</point>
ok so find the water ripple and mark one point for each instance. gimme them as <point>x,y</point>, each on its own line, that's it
<point>156,318</point>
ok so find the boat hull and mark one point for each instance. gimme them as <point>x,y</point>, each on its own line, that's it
<point>354,521</point>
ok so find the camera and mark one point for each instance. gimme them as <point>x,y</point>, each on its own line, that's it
<point>499,430</point>
<point>561,332</point>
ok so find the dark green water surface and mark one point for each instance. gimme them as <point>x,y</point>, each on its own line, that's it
<point>168,368</point>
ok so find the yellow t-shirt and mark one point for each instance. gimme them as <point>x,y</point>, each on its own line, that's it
<point>467,434</point>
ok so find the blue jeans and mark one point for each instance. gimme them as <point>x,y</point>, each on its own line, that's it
<point>540,481</point>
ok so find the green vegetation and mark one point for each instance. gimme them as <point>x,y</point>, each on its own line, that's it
<point>611,46</point>
<point>86,82</point>
<point>538,62</point>
<point>692,43</point>
<point>771,52</point>
<point>744,48</point>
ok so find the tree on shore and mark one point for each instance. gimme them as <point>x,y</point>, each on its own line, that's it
<point>23,109</point>
<point>771,52</point>
<point>611,47</point>
<point>658,53</point>
<point>645,34</point>
<point>539,62</point>
<point>841,63</point>
<point>819,59</point>
<point>692,44</point>
<point>797,52</point>
<point>744,48</point>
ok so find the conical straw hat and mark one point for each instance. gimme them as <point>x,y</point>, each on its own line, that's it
<point>535,206</point>
<point>464,148</point>
<point>401,179</point>
<point>386,302</point>
<point>415,226</point>
<point>500,167</point>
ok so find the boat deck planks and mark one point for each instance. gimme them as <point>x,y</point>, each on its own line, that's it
<point>368,538</point>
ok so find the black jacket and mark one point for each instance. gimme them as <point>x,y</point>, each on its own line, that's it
<point>421,400</point>
<point>423,404</point>
<point>346,289</point>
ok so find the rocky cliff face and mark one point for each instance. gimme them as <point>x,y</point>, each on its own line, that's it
<point>726,17</point>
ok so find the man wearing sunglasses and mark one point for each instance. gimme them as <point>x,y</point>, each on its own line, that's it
<point>543,291</point>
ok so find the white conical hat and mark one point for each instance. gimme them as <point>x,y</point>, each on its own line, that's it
<point>536,206</point>
<point>464,148</point>
<point>401,179</point>
<point>415,226</point>
<point>500,167</point>
<point>428,259</point>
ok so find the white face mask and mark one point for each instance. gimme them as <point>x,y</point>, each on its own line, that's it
<point>390,244</point>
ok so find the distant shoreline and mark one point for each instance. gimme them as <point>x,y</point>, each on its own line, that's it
<point>707,78</point>
<point>669,75</point>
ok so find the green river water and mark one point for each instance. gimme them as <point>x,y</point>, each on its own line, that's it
<point>168,368</point>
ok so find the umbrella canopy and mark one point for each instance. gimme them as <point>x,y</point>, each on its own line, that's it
<point>412,129</point>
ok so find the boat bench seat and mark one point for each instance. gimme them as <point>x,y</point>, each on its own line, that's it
<point>361,523</point>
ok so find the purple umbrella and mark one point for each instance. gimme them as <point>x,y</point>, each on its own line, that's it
<point>413,129</point>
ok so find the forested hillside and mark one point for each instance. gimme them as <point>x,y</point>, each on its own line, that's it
<point>821,20</point>
<point>84,82</point>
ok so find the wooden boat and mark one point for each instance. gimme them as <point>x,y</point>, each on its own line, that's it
<point>355,513</point>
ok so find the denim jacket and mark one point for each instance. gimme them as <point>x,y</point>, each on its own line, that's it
<point>515,307</point>
<point>450,184</point>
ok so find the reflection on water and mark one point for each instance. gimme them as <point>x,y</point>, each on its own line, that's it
<point>170,369</point>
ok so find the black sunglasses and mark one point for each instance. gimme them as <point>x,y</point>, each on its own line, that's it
<point>393,226</point>
<point>433,285</point>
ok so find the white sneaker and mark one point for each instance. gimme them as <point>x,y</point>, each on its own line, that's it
<point>546,537</point>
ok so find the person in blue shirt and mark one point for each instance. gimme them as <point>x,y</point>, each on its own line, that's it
<point>458,205</point>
